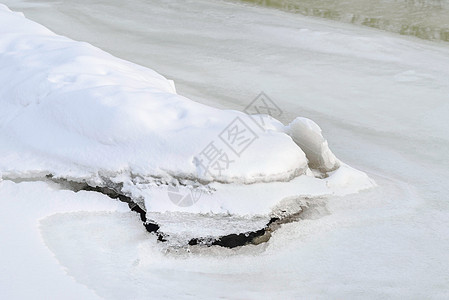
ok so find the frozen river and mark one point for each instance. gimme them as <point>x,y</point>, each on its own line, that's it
<point>382,101</point>
<point>427,19</point>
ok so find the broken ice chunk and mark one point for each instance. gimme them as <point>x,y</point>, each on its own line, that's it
<point>307,135</point>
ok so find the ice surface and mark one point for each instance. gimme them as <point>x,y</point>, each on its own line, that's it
<point>381,101</point>
<point>254,199</point>
<point>427,19</point>
<point>182,227</point>
<point>29,270</point>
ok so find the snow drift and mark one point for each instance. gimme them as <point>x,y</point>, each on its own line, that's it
<point>72,111</point>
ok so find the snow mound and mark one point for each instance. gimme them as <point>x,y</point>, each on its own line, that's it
<point>69,108</point>
<point>72,111</point>
<point>307,134</point>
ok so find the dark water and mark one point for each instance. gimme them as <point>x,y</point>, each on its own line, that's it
<point>426,19</point>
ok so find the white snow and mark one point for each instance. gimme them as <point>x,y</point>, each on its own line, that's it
<point>70,109</point>
<point>74,111</point>
<point>254,199</point>
<point>380,99</point>
<point>28,269</point>
<point>307,134</point>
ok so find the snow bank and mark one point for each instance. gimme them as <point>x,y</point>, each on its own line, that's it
<point>67,105</point>
<point>71,110</point>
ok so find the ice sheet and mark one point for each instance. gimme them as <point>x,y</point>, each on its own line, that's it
<point>381,100</point>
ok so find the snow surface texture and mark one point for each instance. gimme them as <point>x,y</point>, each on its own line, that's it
<point>28,269</point>
<point>70,106</point>
<point>381,100</point>
<point>76,112</point>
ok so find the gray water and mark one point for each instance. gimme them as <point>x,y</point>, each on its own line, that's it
<point>426,19</point>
